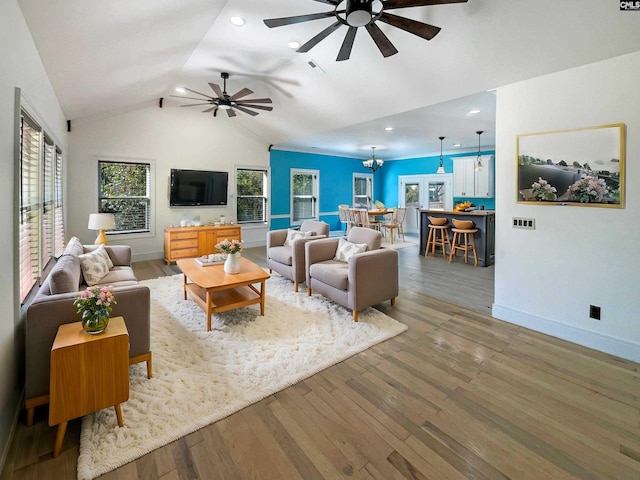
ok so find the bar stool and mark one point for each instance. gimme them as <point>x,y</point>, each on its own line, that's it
<point>436,225</point>
<point>463,229</point>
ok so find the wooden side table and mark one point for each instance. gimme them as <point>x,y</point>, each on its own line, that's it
<point>88,373</point>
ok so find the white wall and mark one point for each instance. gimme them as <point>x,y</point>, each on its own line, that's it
<point>22,68</point>
<point>577,256</point>
<point>170,137</point>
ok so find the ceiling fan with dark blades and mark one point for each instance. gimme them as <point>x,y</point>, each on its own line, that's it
<point>364,13</point>
<point>224,101</point>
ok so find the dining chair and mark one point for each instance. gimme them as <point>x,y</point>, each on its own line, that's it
<point>397,220</point>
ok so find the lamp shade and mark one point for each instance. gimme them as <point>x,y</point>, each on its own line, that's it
<point>102,221</point>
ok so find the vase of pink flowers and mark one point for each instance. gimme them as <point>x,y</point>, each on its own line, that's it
<point>232,248</point>
<point>94,305</point>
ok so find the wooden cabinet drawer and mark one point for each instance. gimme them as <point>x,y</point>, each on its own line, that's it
<point>185,253</point>
<point>183,235</point>
<point>229,233</point>
<point>180,244</point>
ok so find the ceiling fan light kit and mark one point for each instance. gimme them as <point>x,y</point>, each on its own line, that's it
<point>224,101</point>
<point>364,13</point>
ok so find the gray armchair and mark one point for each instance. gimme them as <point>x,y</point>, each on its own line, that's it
<point>367,279</point>
<point>288,260</point>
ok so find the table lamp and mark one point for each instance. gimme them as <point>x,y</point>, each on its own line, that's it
<point>101,222</point>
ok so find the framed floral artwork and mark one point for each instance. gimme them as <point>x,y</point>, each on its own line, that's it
<point>583,166</point>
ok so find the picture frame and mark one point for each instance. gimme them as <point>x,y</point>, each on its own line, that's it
<point>581,167</point>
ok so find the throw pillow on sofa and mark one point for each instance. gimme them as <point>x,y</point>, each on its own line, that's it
<point>346,250</point>
<point>293,235</point>
<point>95,265</point>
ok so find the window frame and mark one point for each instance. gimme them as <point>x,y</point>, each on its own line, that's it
<point>368,177</point>
<point>266,194</point>
<point>315,195</point>
<point>124,234</point>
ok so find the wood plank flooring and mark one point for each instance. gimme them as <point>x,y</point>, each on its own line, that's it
<point>460,395</point>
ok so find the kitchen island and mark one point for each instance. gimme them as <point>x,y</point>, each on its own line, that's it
<point>485,237</point>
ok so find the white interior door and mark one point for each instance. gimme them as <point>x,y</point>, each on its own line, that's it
<point>415,192</point>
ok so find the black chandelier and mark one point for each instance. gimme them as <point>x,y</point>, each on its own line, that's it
<point>479,159</point>
<point>441,166</point>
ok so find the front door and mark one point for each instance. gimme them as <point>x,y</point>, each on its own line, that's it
<point>415,192</point>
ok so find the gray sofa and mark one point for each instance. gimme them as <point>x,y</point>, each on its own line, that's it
<point>288,260</point>
<point>365,279</point>
<point>53,306</point>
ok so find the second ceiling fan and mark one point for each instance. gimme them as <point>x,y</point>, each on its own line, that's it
<point>364,13</point>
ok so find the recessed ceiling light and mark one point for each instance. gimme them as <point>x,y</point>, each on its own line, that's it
<point>294,45</point>
<point>457,145</point>
<point>237,21</point>
<point>388,129</point>
<point>180,90</point>
<point>474,111</point>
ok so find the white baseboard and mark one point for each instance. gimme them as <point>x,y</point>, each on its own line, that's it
<point>586,338</point>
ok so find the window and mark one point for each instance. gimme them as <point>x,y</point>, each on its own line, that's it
<point>251,195</point>
<point>362,190</point>
<point>41,222</point>
<point>304,195</point>
<point>124,189</point>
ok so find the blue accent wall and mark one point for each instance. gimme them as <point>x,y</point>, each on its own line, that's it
<point>392,169</point>
<point>336,174</point>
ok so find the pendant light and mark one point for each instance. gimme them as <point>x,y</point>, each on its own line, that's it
<point>373,163</point>
<point>441,166</point>
<point>479,160</point>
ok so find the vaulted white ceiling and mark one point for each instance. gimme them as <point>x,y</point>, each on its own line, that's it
<point>107,57</point>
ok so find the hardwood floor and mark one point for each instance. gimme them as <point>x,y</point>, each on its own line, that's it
<point>460,395</point>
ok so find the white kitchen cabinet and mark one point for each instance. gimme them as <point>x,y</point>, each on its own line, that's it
<point>471,183</point>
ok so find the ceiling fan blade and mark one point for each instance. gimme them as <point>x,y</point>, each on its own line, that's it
<point>319,37</point>
<point>254,100</point>
<point>216,88</point>
<point>187,98</point>
<point>231,113</point>
<point>280,22</point>
<point>196,104</point>
<point>245,110</point>
<point>347,44</point>
<point>197,93</point>
<point>420,29</point>
<point>259,107</point>
<point>330,2</point>
<point>389,4</point>
<point>242,93</point>
<point>382,41</point>
<point>215,107</point>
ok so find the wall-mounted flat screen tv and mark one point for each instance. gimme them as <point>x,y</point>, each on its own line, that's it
<point>198,188</point>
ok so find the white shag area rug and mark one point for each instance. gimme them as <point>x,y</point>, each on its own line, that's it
<point>200,377</point>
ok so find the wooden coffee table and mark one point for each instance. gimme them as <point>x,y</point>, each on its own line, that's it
<point>216,291</point>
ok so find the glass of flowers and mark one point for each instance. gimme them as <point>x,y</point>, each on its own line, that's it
<point>95,304</point>
<point>542,191</point>
<point>588,189</point>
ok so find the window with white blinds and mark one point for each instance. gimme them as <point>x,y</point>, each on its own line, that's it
<point>41,221</point>
<point>304,195</point>
<point>29,237</point>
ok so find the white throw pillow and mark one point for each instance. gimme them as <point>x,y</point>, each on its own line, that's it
<point>346,250</point>
<point>95,265</point>
<point>293,235</point>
